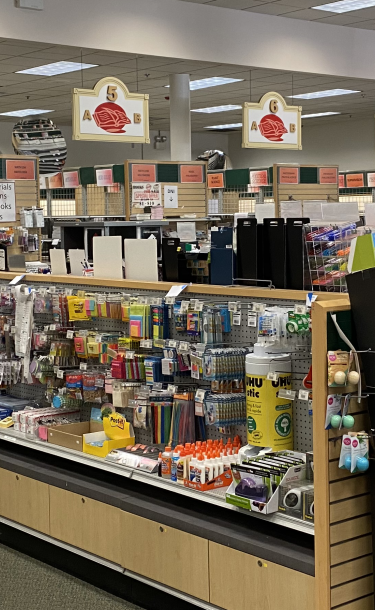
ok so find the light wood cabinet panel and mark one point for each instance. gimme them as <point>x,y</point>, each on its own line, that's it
<point>85,523</point>
<point>239,581</point>
<point>24,500</point>
<point>176,559</point>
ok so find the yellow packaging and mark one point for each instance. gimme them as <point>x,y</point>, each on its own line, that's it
<point>269,418</point>
<point>76,307</point>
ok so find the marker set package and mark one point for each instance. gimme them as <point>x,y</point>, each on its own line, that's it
<point>209,324</point>
<point>153,370</point>
<point>160,321</point>
<point>161,412</point>
<point>183,419</point>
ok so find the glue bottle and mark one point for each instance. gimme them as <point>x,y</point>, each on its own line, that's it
<point>181,467</point>
<point>200,470</point>
<point>166,463</point>
<point>175,456</point>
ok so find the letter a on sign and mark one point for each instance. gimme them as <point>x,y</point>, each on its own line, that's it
<point>87,115</point>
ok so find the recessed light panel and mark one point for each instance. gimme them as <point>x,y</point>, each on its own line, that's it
<point>311,116</point>
<point>227,126</point>
<point>215,81</point>
<point>344,6</point>
<point>328,93</point>
<point>26,112</point>
<point>213,109</point>
<point>59,67</point>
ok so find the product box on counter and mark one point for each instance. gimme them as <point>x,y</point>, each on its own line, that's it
<point>253,490</point>
<point>71,435</point>
<point>223,480</point>
<point>117,433</point>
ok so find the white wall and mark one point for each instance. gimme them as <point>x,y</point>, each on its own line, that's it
<point>187,30</point>
<point>348,142</point>
<point>87,154</point>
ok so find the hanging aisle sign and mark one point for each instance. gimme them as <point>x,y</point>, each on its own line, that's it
<point>108,112</point>
<point>271,124</point>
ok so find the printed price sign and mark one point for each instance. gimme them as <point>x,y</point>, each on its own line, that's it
<point>252,319</point>
<point>272,376</point>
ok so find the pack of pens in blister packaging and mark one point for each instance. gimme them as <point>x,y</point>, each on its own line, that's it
<point>224,410</point>
<point>224,363</point>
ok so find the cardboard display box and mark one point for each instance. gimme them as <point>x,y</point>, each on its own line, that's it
<point>71,435</point>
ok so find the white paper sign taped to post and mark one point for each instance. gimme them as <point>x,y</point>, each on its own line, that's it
<point>170,196</point>
<point>7,201</point>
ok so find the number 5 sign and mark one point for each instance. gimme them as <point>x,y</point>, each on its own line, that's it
<point>271,124</point>
<point>108,112</point>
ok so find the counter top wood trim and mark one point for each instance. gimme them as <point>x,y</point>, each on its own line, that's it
<point>209,289</point>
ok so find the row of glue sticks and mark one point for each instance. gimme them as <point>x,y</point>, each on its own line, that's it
<point>200,462</point>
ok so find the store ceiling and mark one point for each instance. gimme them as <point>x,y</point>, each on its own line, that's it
<point>20,91</point>
<point>299,9</point>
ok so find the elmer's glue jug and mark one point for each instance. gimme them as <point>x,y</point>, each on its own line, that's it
<point>269,418</point>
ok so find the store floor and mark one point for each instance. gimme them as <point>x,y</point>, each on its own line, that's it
<point>33,585</point>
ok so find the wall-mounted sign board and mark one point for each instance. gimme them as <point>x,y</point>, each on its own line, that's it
<point>215,181</point>
<point>271,124</point>
<point>109,112</point>
<point>288,175</point>
<point>71,179</point>
<point>354,181</point>
<point>328,175</point>
<point>20,170</point>
<point>143,173</point>
<point>104,177</point>
<point>191,173</point>
<point>259,178</point>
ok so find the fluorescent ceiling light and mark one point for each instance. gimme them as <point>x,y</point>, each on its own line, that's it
<point>215,81</point>
<point>228,126</point>
<point>26,112</point>
<point>219,108</point>
<point>344,6</point>
<point>328,93</point>
<point>59,67</point>
<point>311,116</point>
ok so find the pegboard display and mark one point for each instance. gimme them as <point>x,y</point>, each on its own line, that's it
<point>241,335</point>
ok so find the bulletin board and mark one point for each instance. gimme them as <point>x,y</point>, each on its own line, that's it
<point>190,177</point>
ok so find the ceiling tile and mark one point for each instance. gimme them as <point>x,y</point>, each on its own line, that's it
<point>234,4</point>
<point>272,8</point>
<point>308,14</point>
<point>335,19</point>
<point>365,25</point>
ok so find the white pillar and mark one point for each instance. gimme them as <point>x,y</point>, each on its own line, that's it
<point>180,123</point>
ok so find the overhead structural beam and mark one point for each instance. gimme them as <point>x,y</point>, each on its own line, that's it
<point>190,31</point>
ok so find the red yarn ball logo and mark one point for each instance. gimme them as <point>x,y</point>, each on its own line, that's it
<point>111,117</point>
<point>272,128</point>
